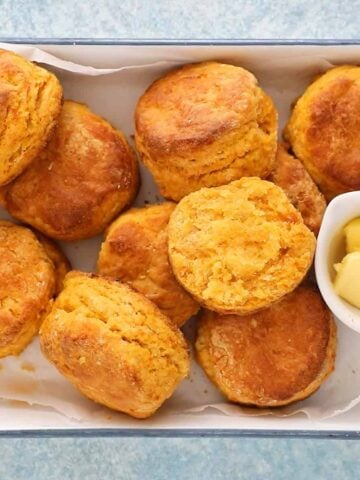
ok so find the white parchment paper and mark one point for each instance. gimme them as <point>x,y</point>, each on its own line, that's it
<point>112,91</point>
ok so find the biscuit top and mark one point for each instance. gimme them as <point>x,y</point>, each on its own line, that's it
<point>324,130</point>
<point>30,102</point>
<point>79,182</point>
<point>114,344</point>
<point>204,125</point>
<point>270,356</point>
<point>194,104</point>
<point>239,247</point>
<point>27,282</point>
<point>135,251</point>
<point>290,174</point>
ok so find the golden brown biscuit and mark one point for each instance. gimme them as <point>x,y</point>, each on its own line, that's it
<point>114,345</point>
<point>60,262</point>
<point>30,103</point>
<point>290,175</point>
<point>324,127</point>
<point>83,178</point>
<point>135,250</point>
<point>273,357</point>
<point>204,125</point>
<point>27,283</point>
<point>240,247</point>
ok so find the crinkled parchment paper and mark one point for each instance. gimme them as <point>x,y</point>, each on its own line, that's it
<point>112,92</point>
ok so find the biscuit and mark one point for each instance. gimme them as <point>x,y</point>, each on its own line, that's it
<point>30,103</point>
<point>27,283</point>
<point>290,175</point>
<point>204,125</point>
<point>83,178</point>
<point>324,127</point>
<point>240,247</point>
<point>271,358</point>
<point>135,250</point>
<point>114,345</point>
<point>60,263</point>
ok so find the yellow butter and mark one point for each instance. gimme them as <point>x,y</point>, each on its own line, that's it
<point>352,236</point>
<point>347,281</point>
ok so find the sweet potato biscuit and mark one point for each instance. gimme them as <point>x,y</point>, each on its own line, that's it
<point>205,125</point>
<point>83,178</point>
<point>324,130</point>
<point>290,175</point>
<point>60,262</point>
<point>273,357</point>
<point>114,345</point>
<point>27,283</point>
<point>240,247</point>
<point>30,103</point>
<point>135,251</point>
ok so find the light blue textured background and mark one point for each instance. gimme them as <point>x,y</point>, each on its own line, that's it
<point>197,458</point>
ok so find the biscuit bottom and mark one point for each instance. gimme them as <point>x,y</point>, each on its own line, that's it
<point>239,248</point>
<point>271,358</point>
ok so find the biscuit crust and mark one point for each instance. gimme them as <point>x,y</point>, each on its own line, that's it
<point>30,103</point>
<point>135,251</point>
<point>205,125</point>
<point>290,175</point>
<point>60,262</point>
<point>271,358</point>
<point>323,130</point>
<point>240,247</point>
<point>85,176</point>
<point>114,345</point>
<point>27,283</point>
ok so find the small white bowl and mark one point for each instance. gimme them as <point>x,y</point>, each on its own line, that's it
<point>331,249</point>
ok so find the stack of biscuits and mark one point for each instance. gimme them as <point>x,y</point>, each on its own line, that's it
<point>232,244</point>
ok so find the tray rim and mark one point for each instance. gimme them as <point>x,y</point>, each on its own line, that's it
<point>179,432</point>
<point>179,42</point>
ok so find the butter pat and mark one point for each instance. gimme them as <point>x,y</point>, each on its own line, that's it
<point>352,236</point>
<point>347,281</point>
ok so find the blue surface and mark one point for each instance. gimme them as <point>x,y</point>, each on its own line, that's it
<point>196,458</point>
<point>179,19</point>
<point>175,459</point>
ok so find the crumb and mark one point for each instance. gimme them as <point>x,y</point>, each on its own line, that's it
<point>27,367</point>
<point>21,388</point>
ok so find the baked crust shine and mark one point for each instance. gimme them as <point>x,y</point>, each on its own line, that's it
<point>324,127</point>
<point>205,125</point>
<point>86,175</point>
<point>271,358</point>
